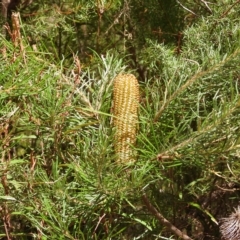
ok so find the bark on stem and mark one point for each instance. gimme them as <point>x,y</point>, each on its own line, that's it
<point>163,220</point>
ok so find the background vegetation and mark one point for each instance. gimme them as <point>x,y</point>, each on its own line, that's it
<point>59,178</point>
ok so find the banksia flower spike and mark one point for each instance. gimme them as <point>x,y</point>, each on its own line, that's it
<point>230,227</point>
<point>125,112</point>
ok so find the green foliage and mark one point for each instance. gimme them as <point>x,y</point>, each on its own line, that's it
<point>59,178</point>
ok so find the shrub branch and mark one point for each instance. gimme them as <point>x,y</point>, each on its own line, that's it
<point>163,220</point>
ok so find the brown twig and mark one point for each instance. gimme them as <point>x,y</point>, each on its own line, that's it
<point>6,221</point>
<point>223,15</point>
<point>163,220</point>
<point>228,10</point>
<point>16,34</point>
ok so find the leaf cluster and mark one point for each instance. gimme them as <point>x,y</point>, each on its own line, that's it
<point>59,177</point>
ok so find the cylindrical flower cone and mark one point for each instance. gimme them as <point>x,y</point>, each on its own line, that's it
<point>125,119</point>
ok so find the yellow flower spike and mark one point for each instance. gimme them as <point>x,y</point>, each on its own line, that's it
<point>125,112</point>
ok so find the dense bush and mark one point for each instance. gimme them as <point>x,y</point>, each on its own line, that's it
<point>59,175</point>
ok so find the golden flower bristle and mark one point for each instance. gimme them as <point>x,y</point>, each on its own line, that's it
<point>125,111</point>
